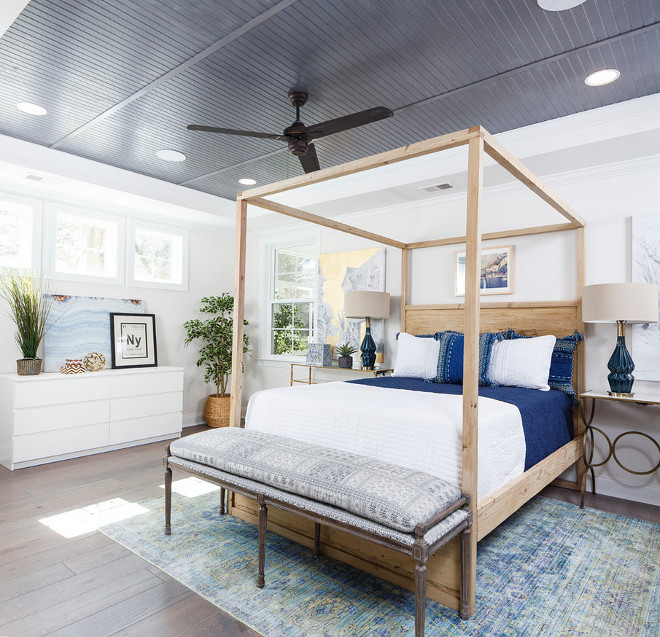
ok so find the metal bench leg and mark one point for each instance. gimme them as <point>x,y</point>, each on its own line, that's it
<point>168,497</point>
<point>222,501</point>
<point>421,555</point>
<point>263,520</point>
<point>317,539</point>
<point>464,611</point>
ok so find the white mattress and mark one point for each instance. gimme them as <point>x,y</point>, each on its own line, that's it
<point>419,430</point>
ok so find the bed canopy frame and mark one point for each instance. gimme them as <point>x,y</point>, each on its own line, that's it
<point>551,317</point>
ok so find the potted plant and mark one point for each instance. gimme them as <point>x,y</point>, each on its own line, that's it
<point>29,310</point>
<point>345,355</point>
<point>216,334</point>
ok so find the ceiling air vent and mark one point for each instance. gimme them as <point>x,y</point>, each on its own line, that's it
<point>34,178</point>
<point>435,187</point>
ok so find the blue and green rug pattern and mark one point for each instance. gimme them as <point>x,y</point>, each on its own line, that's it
<point>550,569</point>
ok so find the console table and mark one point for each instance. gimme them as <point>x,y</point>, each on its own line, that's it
<point>55,416</point>
<point>310,367</point>
<point>594,396</point>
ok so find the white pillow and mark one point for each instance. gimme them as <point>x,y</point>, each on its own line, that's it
<point>522,362</point>
<point>416,357</point>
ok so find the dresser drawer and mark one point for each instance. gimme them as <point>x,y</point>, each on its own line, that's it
<point>141,384</point>
<point>139,406</point>
<point>64,441</point>
<point>54,417</point>
<point>60,390</point>
<point>142,428</point>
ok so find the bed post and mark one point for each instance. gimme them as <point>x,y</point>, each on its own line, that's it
<point>404,287</point>
<point>239,314</point>
<point>471,359</point>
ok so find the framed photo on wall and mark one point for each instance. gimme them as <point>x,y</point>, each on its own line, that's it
<point>496,271</point>
<point>133,338</point>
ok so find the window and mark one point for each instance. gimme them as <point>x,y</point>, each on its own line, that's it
<point>158,257</point>
<point>292,295</point>
<point>84,245</point>
<point>20,241</point>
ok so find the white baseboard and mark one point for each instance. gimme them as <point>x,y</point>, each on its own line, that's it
<point>617,489</point>
<point>190,420</point>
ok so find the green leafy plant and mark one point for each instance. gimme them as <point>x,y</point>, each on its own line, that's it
<point>28,308</point>
<point>216,334</point>
<point>346,350</point>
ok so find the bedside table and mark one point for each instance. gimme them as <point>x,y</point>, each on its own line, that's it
<point>642,399</point>
<point>309,381</point>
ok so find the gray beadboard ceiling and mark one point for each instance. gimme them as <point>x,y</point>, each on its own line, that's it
<point>121,79</point>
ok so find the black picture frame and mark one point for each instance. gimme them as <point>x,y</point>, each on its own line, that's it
<point>133,340</point>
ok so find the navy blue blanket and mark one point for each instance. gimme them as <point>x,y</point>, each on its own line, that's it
<point>547,417</point>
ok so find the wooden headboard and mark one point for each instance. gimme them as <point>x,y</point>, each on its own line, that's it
<point>537,318</point>
<point>559,318</point>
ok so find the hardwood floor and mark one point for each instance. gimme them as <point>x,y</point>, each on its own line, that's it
<point>91,586</point>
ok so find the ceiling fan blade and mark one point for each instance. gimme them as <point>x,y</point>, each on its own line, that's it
<point>310,161</point>
<point>348,121</point>
<point>231,131</point>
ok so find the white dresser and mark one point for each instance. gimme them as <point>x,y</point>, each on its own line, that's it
<point>55,416</point>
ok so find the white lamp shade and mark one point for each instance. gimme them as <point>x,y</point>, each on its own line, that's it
<point>611,302</point>
<point>374,305</point>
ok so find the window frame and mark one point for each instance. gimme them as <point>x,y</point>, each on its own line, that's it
<point>131,281</point>
<point>50,243</point>
<point>267,297</point>
<point>35,231</point>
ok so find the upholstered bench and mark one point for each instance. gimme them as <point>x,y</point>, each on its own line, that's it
<point>407,510</point>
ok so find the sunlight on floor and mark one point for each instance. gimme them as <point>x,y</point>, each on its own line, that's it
<point>89,518</point>
<point>192,487</point>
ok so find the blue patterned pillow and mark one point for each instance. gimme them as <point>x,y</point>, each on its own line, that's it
<point>450,360</point>
<point>561,364</point>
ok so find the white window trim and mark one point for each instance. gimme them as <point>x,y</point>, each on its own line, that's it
<point>266,286</point>
<point>50,231</point>
<point>130,255</point>
<point>37,206</point>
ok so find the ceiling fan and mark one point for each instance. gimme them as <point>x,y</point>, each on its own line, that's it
<point>298,136</point>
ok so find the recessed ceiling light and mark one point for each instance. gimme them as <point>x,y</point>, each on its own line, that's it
<point>171,155</point>
<point>247,182</point>
<point>599,78</point>
<point>558,5</point>
<point>31,109</point>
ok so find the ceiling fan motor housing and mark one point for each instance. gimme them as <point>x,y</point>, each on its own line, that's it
<point>298,146</point>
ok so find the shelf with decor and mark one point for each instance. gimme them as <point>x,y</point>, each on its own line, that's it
<point>57,416</point>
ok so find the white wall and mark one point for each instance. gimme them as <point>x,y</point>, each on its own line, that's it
<point>545,265</point>
<point>98,187</point>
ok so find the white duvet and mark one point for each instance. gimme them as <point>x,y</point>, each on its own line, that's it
<point>419,430</point>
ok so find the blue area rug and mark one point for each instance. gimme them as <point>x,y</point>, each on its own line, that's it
<point>550,569</point>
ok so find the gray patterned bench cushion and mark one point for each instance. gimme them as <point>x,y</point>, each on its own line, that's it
<point>393,496</point>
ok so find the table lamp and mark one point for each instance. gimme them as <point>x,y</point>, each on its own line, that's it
<point>620,303</point>
<point>367,305</point>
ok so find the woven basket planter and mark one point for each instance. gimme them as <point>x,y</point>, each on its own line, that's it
<point>216,411</point>
<point>28,366</point>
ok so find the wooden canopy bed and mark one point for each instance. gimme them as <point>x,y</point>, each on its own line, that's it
<point>535,318</point>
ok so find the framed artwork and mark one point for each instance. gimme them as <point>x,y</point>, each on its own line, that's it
<point>78,325</point>
<point>338,273</point>
<point>496,271</point>
<point>646,269</point>
<point>133,338</point>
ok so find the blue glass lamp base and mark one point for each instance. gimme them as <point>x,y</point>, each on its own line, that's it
<point>368,349</point>
<point>621,365</point>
